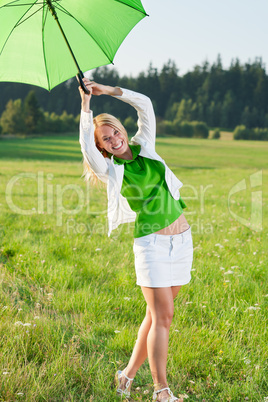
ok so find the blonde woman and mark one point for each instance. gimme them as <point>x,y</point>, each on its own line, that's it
<point>143,189</point>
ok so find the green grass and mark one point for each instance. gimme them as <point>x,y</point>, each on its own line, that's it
<point>76,287</point>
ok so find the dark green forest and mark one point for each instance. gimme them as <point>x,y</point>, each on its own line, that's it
<point>209,93</point>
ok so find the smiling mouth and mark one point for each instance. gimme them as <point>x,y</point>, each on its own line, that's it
<point>119,146</point>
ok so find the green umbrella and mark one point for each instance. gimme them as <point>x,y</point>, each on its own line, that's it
<point>37,37</point>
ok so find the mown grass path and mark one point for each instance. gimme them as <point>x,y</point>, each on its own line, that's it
<point>70,308</point>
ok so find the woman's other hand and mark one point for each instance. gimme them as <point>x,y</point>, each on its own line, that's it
<point>99,89</point>
<point>96,89</point>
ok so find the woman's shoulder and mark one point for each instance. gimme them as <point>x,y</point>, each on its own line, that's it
<point>108,160</point>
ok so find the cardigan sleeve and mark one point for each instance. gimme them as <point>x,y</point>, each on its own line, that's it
<point>146,117</point>
<point>89,150</point>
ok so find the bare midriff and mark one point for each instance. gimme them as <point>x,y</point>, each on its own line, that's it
<point>178,226</point>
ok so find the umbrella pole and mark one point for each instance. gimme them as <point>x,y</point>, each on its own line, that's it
<point>79,75</point>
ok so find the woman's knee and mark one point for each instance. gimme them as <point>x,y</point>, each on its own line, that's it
<point>148,314</point>
<point>163,317</point>
<point>160,305</point>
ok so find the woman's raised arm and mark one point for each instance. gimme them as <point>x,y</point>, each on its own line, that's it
<point>92,156</point>
<point>146,117</point>
<point>98,89</point>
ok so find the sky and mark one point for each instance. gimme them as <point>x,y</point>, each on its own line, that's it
<point>192,31</point>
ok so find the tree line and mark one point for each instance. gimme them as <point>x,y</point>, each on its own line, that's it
<point>216,96</point>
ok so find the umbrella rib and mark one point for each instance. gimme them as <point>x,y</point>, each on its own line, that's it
<point>18,5</point>
<point>7,5</point>
<point>37,11</point>
<point>128,5</point>
<point>10,33</point>
<point>43,42</point>
<point>70,15</point>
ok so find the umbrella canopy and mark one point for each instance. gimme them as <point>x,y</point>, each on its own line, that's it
<point>34,51</point>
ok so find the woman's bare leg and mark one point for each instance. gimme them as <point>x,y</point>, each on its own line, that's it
<point>140,352</point>
<point>160,303</point>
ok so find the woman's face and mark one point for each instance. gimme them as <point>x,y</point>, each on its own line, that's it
<point>113,141</point>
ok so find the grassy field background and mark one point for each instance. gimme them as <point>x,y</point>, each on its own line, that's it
<point>70,308</point>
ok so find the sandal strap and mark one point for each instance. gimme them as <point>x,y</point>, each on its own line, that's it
<point>163,389</point>
<point>172,397</point>
<point>122,374</point>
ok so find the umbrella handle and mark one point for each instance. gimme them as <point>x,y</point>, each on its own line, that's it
<point>80,77</point>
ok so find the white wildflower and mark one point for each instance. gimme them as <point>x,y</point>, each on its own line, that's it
<point>127,298</point>
<point>36,317</point>
<point>117,332</point>
<point>98,249</point>
<point>18,323</point>
<point>27,324</point>
<point>228,272</point>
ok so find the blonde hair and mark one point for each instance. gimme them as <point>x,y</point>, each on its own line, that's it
<point>103,119</point>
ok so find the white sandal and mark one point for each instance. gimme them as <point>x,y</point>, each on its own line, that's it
<point>171,396</point>
<point>123,392</point>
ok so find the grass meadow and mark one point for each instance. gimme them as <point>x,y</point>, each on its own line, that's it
<point>70,309</point>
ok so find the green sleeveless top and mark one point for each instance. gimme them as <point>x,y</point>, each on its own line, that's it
<point>147,193</point>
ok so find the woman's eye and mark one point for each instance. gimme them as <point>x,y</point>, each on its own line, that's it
<point>105,139</point>
<point>116,132</point>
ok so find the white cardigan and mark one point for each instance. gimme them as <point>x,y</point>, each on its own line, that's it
<point>106,170</point>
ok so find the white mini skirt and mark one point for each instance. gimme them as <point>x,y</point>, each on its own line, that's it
<point>163,260</point>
